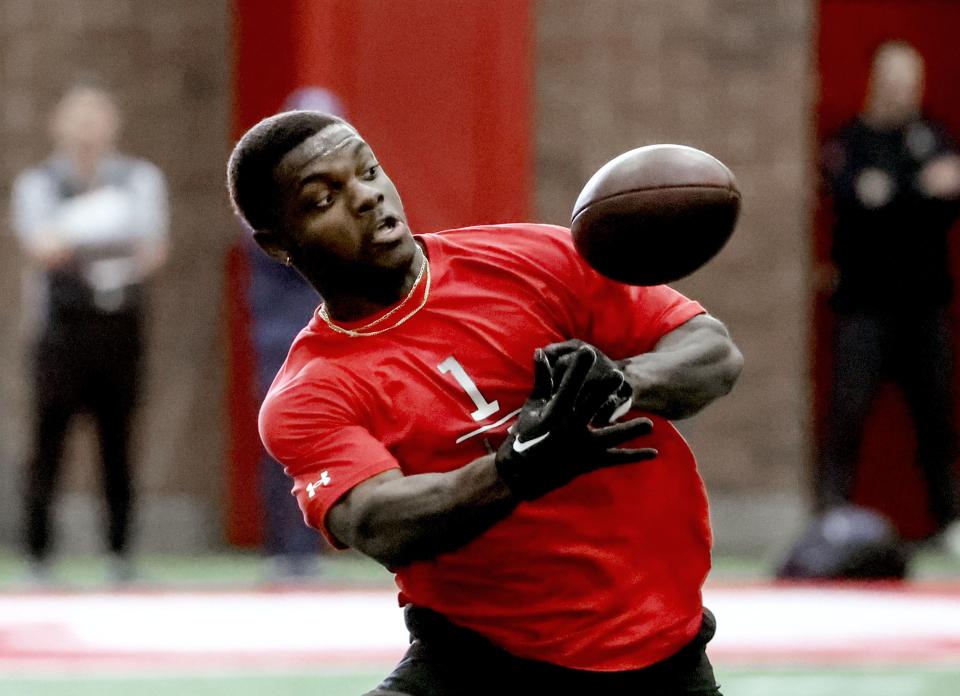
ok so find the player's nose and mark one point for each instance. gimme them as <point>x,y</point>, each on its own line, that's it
<point>365,198</point>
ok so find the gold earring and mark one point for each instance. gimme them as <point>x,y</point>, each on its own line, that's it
<point>288,262</point>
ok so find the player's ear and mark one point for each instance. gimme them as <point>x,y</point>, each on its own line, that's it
<point>272,243</point>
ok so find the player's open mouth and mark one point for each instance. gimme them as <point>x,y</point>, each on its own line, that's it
<point>389,230</point>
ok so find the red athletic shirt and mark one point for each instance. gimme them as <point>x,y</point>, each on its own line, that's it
<point>602,574</point>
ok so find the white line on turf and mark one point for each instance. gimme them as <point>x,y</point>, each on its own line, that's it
<point>311,629</point>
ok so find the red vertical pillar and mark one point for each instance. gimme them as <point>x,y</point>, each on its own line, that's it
<point>441,91</point>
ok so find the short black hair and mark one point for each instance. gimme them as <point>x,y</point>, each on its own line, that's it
<point>251,166</point>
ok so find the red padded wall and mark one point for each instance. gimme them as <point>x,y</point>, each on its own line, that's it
<point>440,89</point>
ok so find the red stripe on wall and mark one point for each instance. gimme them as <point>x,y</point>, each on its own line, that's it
<point>441,91</point>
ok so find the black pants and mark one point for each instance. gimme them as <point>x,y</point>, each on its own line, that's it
<point>913,349</point>
<point>84,363</point>
<point>446,660</point>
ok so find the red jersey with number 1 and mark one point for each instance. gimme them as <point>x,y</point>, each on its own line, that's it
<point>604,573</point>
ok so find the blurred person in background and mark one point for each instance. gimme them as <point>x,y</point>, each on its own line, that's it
<point>281,304</point>
<point>93,222</point>
<point>894,178</point>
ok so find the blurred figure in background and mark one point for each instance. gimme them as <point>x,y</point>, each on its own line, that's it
<point>894,177</point>
<point>281,304</point>
<point>94,224</point>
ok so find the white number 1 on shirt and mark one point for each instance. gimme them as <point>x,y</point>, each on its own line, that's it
<point>485,408</point>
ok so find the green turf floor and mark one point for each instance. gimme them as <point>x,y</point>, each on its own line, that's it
<point>229,570</point>
<point>735,682</point>
<point>238,570</point>
<point>246,571</point>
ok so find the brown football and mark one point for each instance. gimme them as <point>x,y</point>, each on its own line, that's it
<point>655,214</point>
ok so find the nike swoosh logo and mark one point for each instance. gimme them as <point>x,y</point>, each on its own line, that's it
<point>524,446</point>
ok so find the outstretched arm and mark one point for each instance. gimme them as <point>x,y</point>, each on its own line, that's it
<point>688,368</point>
<point>397,519</point>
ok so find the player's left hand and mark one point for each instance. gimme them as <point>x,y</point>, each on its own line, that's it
<point>560,356</point>
<point>552,442</point>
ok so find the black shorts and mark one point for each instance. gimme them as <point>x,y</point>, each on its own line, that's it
<point>447,660</point>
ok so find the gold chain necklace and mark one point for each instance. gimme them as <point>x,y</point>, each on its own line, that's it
<point>322,310</point>
<point>361,331</point>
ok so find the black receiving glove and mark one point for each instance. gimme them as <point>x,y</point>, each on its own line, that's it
<point>618,403</point>
<point>552,442</point>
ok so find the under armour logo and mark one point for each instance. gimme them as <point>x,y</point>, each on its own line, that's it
<point>324,480</point>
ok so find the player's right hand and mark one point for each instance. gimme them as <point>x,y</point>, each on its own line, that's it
<point>618,402</point>
<point>552,441</point>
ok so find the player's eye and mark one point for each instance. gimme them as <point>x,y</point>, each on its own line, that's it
<point>370,173</point>
<point>324,200</point>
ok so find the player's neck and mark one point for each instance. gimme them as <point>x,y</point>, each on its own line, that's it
<point>351,295</point>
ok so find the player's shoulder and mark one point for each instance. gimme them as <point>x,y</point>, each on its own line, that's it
<point>308,366</point>
<point>503,231</point>
<point>516,237</point>
<point>528,250</point>
<point>308,401</point>
<point>313,384</point>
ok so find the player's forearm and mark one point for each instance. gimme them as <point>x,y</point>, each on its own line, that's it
<point>413,518</point>
<point>688,369</point>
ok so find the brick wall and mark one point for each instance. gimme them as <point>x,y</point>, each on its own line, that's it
<point>168,64</point>
<point>732,77</point>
